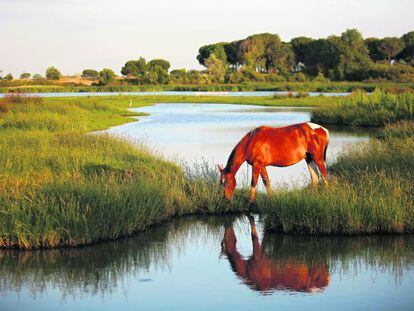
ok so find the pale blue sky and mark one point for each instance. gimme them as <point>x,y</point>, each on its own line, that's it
<point>77,34</point>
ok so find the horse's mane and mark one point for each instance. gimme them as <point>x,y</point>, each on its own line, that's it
<point>240,144</point>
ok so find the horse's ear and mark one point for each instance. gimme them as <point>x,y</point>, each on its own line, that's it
<point>220,168</point>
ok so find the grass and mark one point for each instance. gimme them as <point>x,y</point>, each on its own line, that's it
<point>60,186</point>
<point>371,191</point>
<point>311,86</point>
<point>361,109</point>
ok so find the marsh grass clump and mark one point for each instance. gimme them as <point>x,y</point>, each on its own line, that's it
<point>401,129</point>
<point>360,109</point>
<point>371,191</point>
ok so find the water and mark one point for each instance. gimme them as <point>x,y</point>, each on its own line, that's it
<point>197,133</point>
<point>212,263</point>
<point>177,93</point>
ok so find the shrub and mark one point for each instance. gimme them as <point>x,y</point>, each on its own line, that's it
<point>53,73</point>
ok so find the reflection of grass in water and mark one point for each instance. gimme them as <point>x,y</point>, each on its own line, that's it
<point>103,268</point>
<point>346,255</point>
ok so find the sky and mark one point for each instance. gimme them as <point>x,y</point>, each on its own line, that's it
<point>77,34</point>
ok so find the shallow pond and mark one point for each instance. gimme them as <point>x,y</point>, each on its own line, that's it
<point>214,263</point>
<point>206,133</point>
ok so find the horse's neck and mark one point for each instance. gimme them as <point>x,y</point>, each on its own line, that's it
<point>237,156</point>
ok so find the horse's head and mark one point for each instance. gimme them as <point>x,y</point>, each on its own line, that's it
<point>227,181</point>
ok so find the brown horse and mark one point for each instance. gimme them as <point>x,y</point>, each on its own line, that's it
<point>263,273</point>
<point>282,146</point>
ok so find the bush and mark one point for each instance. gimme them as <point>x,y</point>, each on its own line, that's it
<point>90,73</point>
<point>53,73</point>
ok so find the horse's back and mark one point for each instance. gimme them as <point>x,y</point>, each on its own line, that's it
<point>284,146</point>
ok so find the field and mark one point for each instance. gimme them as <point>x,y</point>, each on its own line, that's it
<point>61,186</point>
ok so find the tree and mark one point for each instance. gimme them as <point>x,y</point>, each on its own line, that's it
<point>352,37</point>
<point>160,75</point>
<point>217,49</point>
<point>25,75</point>
<point>299,48</point>
<point>232,50</point>
<point>90,73</point>
<point>53,73</point>
<point>9,77</point>
<point>37,76</point>
<point>216,69</point>
<point>279,57</point>
<point>162,63</point>
<point>373,49</point>
<point>179,75</point>
<point>408,52</point>
<point>135,68</point>
<point>390,47</point>
<point>106,76</point>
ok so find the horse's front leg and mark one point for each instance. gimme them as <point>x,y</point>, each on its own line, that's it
<point>266,180</point>
<point>255,177</point>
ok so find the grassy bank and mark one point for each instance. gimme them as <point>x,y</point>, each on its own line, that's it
<point>371,191</point>
<point>60,186</point>
<point>361,109</point>
<point>312,86</point>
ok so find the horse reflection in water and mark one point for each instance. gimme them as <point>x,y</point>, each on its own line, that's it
<point>266,274</point>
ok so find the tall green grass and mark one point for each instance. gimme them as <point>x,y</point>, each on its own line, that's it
<point>60,185</point>
<point>361,109</point>
<point>371,191</point>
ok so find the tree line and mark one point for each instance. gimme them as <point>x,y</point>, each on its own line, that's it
<point>266,58</point>
<point>345,57</point>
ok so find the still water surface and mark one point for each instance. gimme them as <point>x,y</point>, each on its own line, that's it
<point>198,133</point>
<point>214,263</point>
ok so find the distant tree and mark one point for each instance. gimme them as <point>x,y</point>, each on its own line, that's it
<point>37,76</point>
<point>194,77</point>
<point>9,77</point>
<point>217,49</point>
<point>279,57</point>
<point>391,47</point>
<point>135,68</point>
<point>90,73</point>
<point>407,53</point>
<point>232,49</point>
<point>352,37</point>
<point>373,49</point>
<point>179,75</point>
<point>216,69</point>
<point>299,48</point>
<point>53,73</point>
<point>161,74</point>
<point>162,63</point>
<point>25,75</point>
<point>106,76</point>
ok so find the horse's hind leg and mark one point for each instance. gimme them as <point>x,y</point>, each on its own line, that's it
<point>266,181</point>
<point>322,168</point>
<point>312,169</point>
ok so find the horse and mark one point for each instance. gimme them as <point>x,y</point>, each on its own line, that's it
<point>277,146</point>
<point>264,273</point>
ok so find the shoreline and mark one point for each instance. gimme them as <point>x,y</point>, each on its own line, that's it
<point>201,197</point>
